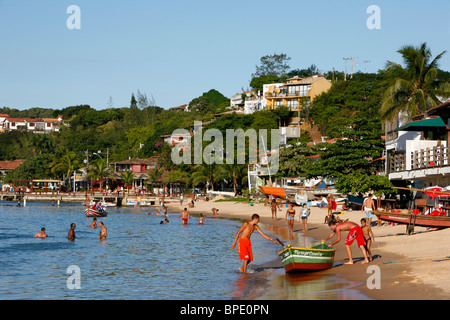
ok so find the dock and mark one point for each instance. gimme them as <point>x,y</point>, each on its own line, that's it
<point>56,198</point>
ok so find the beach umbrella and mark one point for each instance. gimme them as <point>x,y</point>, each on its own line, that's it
<point>432,192</point>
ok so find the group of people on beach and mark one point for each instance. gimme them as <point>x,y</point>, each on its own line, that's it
<point>71,233</point>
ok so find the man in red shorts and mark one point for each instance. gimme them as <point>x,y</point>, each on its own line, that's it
<point>354,233</point>
<point>245,246</point>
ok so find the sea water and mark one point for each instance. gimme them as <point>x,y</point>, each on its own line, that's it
<point>140,259</point>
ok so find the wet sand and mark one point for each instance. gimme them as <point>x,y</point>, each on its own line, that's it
<point>411,266</point>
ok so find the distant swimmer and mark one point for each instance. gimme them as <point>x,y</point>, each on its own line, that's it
<point>41,234</point>
<point>245,246</point>
<point>71,234</point>
<point>185,216</point>
<point>103,231</point>
<point>94,223</point>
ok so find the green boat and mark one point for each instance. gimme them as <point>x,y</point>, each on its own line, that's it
<point>297,259</point>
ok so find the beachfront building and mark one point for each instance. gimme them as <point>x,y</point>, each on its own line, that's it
<point>139,167</point>
<point>295,92</point>
<point>35,125</point>
<point>417,150</point>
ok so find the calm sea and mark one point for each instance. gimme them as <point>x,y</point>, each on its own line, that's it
<point>141,259</point>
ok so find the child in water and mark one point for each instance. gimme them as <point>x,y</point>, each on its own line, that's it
<point>201,219</point>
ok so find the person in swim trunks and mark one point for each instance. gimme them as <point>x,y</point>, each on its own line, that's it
<point>185,216</point>
<point>369,208</point>
<point>354,233</point>
<point>245,245</point>
<point>368,236</point>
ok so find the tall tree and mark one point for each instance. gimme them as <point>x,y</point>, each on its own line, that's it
<point>99,169</point>
<point>416,87</point>
<point>273,64</point>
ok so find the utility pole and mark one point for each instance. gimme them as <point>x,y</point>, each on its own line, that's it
<point>365,62</point>
<point>351,77</point>
<point>345,70</point>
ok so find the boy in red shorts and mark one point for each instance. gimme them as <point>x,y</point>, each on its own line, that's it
<point>354,233</point>
<point>245,246</point>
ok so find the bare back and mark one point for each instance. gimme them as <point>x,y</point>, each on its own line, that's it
<point>345,226</point>
<point>248,229</point>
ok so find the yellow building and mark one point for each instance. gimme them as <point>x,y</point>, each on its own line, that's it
<point>292,92</point>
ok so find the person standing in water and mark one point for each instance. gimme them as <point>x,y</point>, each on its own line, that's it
<point>41,234</point>
<point>103,231</point>
<point>93,224</point>
<point>185,216</point>
<point>245,246</point>
<point>71,234</point>
<point>201,219</point>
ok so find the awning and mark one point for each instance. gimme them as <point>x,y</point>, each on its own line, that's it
<point>422,125</point>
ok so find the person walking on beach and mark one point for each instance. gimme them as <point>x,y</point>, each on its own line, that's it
<point>245,245</point>
<point>290,214</point>
<point>369,208</point>
<point>71,234</point>
<point>41,234</point>
<point>355,233</point>
<point>103,231</point>
<point>368,236</point>
<point>304,216</point>
<point>185,216</point>
<point>273,207</point>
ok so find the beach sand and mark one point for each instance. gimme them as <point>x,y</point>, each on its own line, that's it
<point>411,266</point>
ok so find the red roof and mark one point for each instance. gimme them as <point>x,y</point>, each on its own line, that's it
<point>10,164</point>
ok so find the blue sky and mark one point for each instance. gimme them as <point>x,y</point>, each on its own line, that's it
<point>176,50</point>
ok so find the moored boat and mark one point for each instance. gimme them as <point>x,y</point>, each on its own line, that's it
<point>415,219</point>
<point>89,212</point>
<point>296,259</point>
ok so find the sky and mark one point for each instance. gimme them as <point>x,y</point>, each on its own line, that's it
<point>174,51</point>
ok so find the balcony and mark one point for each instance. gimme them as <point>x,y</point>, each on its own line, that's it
<point>417,163</point>
<point>280,95</point>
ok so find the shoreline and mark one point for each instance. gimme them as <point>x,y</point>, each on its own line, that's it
<point>409,265</point>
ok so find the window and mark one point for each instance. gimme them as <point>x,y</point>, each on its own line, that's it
<point>292,104</point>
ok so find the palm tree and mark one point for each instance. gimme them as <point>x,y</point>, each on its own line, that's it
<point>65,163</point>
<point>99,169</point>
<point>416,87</point>
<point>154,176</point>
<point>208,174</point>
<point>236,172</point>
<point>127,177</point>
